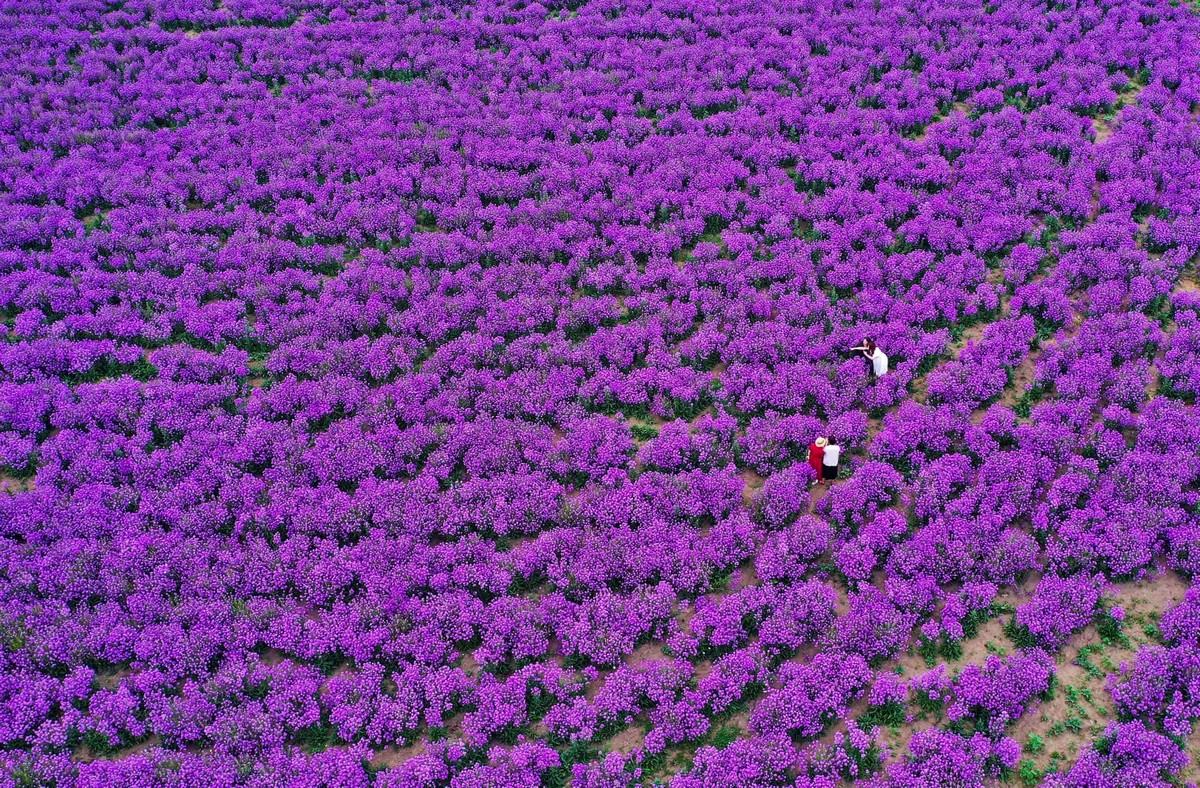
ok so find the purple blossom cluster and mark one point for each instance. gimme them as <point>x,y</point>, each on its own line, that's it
<point>938,757</point>
<point>417,394</point>
<point>997,693</point>
<point>1127,754</point>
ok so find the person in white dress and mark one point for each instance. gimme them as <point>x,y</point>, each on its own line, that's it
<point>879,362</point>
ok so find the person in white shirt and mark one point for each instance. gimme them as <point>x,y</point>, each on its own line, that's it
<point>830,459</point>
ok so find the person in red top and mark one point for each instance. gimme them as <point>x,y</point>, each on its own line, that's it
<point>816,457</point>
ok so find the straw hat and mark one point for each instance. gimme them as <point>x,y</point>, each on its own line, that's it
<point>820,443</point>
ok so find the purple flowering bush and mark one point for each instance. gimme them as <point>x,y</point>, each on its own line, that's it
<point>1127,754</point>
<point>939,757</point>
<point>405,393</point>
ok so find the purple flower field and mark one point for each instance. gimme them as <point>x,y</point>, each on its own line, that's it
<point>414,394</point>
